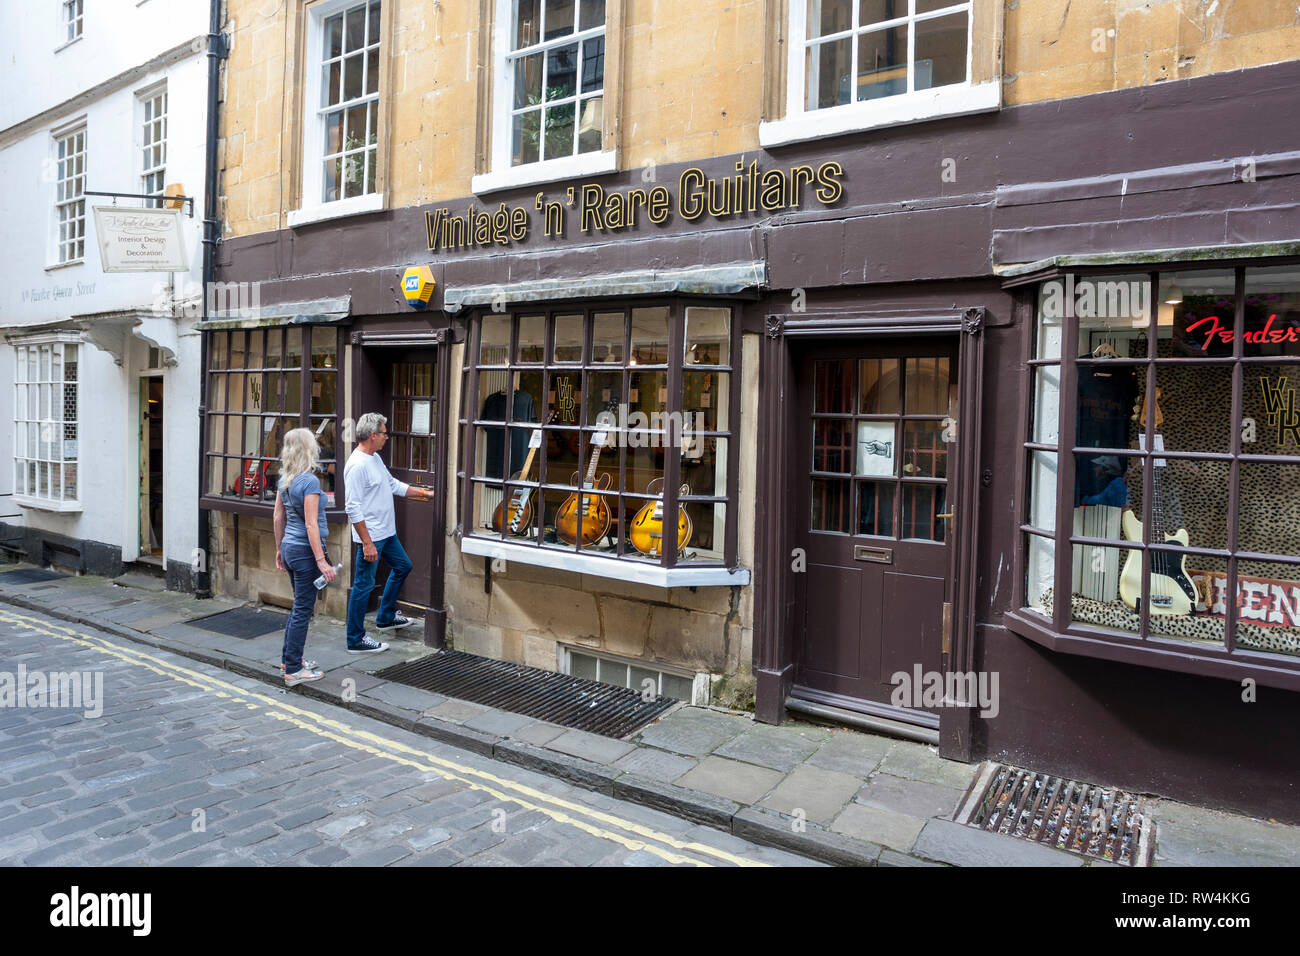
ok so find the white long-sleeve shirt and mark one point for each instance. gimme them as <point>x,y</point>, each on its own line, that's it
<point>370,490</point>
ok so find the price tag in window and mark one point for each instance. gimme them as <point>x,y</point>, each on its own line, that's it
<point>604,395</point>
<point>704,400</point>
<point>535,441</point>
<point>634,394</point>
<point>599,438</point>
<point>663,396</point>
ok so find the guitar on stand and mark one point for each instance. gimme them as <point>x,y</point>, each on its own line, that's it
<point>516,511</point>
<point>647,530</point>
<point>1173,592</point>
<point>591,508</point>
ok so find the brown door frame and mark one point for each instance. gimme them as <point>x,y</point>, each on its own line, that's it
<point>774,641</point>
<point>439,341</point>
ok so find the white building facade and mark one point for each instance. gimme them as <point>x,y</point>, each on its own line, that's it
<point>99,372</point>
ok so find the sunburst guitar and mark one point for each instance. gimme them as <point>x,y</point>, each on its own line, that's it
<point>647,530</point>
<point>583,508</point>
<point>1172,590</point>
<point>516,512</point>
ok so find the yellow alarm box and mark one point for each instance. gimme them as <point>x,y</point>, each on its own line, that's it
<point>417,286</point>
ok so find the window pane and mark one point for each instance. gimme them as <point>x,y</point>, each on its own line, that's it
<point>607,337</point>
<point>528,80</point>
<point>334,36</point>
<point>559,131</point>
<point>830,504</point>
<point>940,51</point>
<point>1273,311</point>
<point>922,505</point>
<point>372,22</point>
<point>929,387</point>
<point>532,339</point>
<point>708,533</point>
<point>649,336</point>
<point>324,347</point>
<point>527,23</point>
<point>591,14</point>
<point>353,76</point>
<point>878,386</point>
<point>580,665</point>
<point>925,453</point>
<point>526,138</point>
<point>1195,408</point>
<point>833,444</point>
<point>1040,572</point>
<point>829,16</point>
<point>833,386</point>
<point>590,124</point>
<point>568,338</point>
<point>1195,314</point>
<point>1267,493</point>
<point>593,64</point>
<point>876,508</point>
<point>355,35</point>
<point>708,336</point>
<point>1042,494</point>
<point>882,63</point>
<point>1268,605</point>
<point>561,72</point>
<point>829,65</point>
<point>1045,424</point>
<point>704,464</point>
<point>494,346</point>
<point>559,18</point>
<point>323,387</point>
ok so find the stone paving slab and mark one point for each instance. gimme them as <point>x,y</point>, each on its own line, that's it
<point>502,723</point>
<point>851,753</point>
<point>780,748</point>
<point>819,794</point>
<point>538,733</point>
<point>656,764</point>
<point>1195,836</point>
<point>887,792</point>
<point>456,711</point>
<point>949,842</point>
<point>742,782</point>
<point>921,762</point>
<point>896,830</point>
<point>588,746</point>
<point>411,698</point>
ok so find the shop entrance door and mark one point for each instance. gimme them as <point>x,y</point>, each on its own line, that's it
<point>411,405</point>
<point>875,427</point>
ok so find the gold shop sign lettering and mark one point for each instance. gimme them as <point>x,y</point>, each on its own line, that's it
<point>598,210</point>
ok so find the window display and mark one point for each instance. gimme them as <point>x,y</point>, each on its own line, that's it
<point>1184,476</point>
<point>592,429</point>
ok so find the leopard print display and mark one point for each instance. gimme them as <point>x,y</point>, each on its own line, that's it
<point>1201,628</point>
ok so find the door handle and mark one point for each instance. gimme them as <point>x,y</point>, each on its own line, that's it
<point>948,514</point>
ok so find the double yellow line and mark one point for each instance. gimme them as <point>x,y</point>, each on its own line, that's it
<point>607,826</point>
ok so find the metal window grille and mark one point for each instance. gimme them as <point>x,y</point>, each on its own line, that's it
<point>153,158</point>
<point>556,73</point>
<point>70,203</point>
<point>45,421</point>
<point>349,108</point>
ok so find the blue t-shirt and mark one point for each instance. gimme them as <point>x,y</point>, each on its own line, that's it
<point>295,530</point>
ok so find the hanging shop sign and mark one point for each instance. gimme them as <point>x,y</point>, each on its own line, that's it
<point>596,210</point>
<point>140,240</point>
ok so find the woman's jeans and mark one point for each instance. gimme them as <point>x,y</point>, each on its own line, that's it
<point>300,561</point>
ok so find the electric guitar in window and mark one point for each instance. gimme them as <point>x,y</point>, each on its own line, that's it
<point>594,513</point>
<point>516,512</point>
<point>647,531</point>
<point>1172,590</point>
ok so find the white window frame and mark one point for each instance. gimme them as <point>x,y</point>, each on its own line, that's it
<point>313,207</point>
<point>700,681</point>
<point>72,15</point>
<point>28,425</point>
<point>157,126</point>
<point>801,124</point>
<point>59,202</point>
<point>502,174</point>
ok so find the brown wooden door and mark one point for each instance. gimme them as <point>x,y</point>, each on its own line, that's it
<point>412,409</point>
<point>876,424</point>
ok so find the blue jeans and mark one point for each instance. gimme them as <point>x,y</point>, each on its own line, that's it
<point>302,574</point>
<point>363,582</point>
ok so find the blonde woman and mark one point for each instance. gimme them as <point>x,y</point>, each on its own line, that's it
<point>300,533</point>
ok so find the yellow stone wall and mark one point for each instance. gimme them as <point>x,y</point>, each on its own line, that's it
<point>694,79</point>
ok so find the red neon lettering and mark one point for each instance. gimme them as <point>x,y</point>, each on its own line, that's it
<point>1266,334</point>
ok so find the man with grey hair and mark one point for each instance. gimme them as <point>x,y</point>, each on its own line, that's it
<point>369,496</point>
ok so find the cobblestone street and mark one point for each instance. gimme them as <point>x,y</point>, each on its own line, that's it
<point>190,765</point>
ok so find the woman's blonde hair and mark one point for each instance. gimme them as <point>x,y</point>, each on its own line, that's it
<point>299,454</point>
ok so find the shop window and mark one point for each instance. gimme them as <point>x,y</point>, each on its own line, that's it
<point>549,92</point>
<point>261,384</point>
<point>46,422</point>
<point>343,105</point>
<point>1174,513</point>
<point>634,404</point>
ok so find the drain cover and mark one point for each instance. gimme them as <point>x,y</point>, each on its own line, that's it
<point>242,622</point>
<point>30,576</point>
<point>568,701</point>
<point>1100,823</point>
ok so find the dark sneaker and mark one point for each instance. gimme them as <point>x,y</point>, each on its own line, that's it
<point>367,646</point>
<point>398,621</point>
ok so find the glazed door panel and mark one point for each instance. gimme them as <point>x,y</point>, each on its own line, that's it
<point>412,410</point>
<point>876,427</point>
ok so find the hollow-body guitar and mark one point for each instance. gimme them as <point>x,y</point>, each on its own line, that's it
<point>647,530</point>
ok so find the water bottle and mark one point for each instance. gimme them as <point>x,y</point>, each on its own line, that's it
<point>320,582</point>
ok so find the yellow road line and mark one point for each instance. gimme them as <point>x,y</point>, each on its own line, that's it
<point>331,729</point>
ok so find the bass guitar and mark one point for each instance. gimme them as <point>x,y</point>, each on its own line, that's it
<point>586,510</point>
<point>516,511</point>
<point>647,530</point>
<point>1173,592</point>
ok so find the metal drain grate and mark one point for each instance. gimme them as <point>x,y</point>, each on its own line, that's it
<point>30,576</point>
<point>568,701</point>
<point>244,623</point>
<point>1100,823</point>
